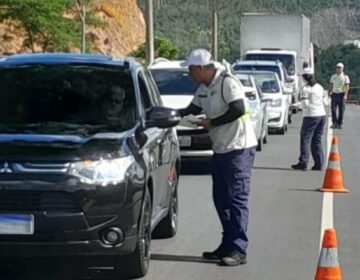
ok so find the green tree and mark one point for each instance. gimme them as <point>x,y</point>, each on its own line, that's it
<point>350,56</point>
<point>86,17</point>
<point>163,48</point>
<point>43,21</point>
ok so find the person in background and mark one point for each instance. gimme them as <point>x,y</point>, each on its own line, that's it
<point>339,90</point>
<point>313,102</point>
<point>222,98</point>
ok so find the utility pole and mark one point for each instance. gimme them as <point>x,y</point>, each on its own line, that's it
<point>149,32</point>
<point>215,15</point>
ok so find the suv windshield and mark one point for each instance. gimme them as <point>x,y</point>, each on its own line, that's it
<point>287,60</point>
<point>267,82</point>
<point>174,82</point>
<point>64,99</point>
<point>255,67</point>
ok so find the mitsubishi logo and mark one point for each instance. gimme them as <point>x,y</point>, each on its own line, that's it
<point>6,168</point>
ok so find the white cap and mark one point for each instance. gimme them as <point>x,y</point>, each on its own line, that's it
<point>308,71</point>
<point>199,57</point>
<point>340,65</point>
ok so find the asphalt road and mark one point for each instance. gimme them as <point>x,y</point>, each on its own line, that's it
<point>285,218</point>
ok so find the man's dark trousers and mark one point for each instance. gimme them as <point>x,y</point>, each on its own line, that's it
<point>231,187</point>
<point>312,130</point>
<point>337,101</point>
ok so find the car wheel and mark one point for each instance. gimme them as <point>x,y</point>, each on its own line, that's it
<point>259,146</point>
<point>282,130</point>
<point>167,228</point>
<point>265,140</point>
<point>137,264</point>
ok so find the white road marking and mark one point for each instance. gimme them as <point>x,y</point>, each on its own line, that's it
<point>327,215</point>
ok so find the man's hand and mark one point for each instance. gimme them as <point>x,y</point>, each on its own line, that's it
<point>205,123</point>
<point>345,97</point>
<point>330,93</point>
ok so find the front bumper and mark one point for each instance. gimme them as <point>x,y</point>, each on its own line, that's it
<point>194,143</point>
<point>70,219</point>
<point>276,119</point>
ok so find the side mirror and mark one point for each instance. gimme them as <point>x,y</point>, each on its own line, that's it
<point>162,117</point>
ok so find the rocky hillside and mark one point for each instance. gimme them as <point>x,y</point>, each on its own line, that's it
<point>123,32</point>
<point>334,26</point>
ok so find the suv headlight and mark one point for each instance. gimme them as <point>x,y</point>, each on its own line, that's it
<point>102,172</point>
<point>276,103</point>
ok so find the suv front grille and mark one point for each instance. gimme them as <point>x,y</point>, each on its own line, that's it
<point>37,201</point>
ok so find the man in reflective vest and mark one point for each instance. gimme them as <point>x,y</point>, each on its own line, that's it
<point>339,90</point>
<point>222,98</point>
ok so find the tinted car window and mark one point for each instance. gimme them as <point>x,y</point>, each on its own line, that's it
<point>154,89</point>
<point>270,68</point>
<point>145,94</point>
<point>65,99</point>
<point>287,60</point>
<point>175,82</point>
<point>267,83</point>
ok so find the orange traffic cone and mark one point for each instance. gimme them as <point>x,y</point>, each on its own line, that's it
<point>333,181</point>
<point>329,266</point>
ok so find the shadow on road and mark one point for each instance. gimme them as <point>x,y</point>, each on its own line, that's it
<point>177,258</point>
<point>304,190</point>
<point>195,168</point>
<point>272,168</point>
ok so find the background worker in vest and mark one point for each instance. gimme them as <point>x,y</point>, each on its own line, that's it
<point>313,101</point>
<point>223,100</point>
<point>339,90</point>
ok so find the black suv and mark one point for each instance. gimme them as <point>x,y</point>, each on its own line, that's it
<point>89,160</point>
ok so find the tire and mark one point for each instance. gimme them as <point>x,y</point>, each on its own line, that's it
<point>265,140</point>
<point>167,228</point>
<point>282,130</point>
<point>137,264</point>
<point>259,146</point>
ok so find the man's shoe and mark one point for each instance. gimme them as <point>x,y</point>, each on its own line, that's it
<point>339,126</point>
<point>214,255</point>
<point>298,166</point>
<point>233,259</point>
<point>334,126</point>
<point>315,168</point>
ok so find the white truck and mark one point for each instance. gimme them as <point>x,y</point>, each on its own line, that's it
<point>285,38</point>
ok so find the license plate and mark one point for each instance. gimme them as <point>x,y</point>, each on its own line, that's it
<point>16,224</point>
<point>184,141</point>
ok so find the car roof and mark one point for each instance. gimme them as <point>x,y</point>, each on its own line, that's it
<point>163,63</point>
<point>65,58</point>
<point>258,62</point>
<point>250,72</point>
<point>242,75</point>
<point>271,51</point>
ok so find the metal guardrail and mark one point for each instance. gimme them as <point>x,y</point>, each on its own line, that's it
<point>356,102</point>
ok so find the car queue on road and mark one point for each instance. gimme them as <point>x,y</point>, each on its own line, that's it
<point>96,132</point>
<point>268,90</point>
